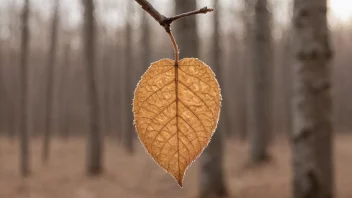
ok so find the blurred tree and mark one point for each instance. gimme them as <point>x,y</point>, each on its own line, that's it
<point>312,104</point>
<point>147,49</point>
<point>129,76</point>
<point>63,86</point>
<point>119,81</point>
<point>2,87</point>
<point>12,59</point>
<point>286,63</point>
<point>243,95</point>
<point>262,62</point>
<point>24,144</point>
<point>103,76</point>
<point>217,57</point>
<point>106,88</point>
<point>95,139</point>
<point>50,81</point>
<point>212,182</point>
<point>186,30</point>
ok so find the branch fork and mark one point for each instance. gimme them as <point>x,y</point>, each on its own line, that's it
<point>167,21</point>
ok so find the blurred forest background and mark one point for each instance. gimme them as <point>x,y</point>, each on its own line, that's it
<point>68,69</point>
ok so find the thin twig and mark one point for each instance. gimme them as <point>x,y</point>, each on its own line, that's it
<point>200,11</point>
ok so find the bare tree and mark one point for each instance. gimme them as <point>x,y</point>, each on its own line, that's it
<point>146,41</point>
<point>95,139</point>
<point>129,77</point>
<point>246,15</point>
<point>224,124</point>
<point>312,105</point>
<point>287,79</point>
<point>186,30</point>
<point>1,85</point>
<point>63,86</point>
<point>24,144</point>
<point>2,88</point>
<point>118,124</point>
<point>212,181</point>
<point>50,82</point>
<point>106,86</point>
<point>262,65</point>
<point>13,60</point>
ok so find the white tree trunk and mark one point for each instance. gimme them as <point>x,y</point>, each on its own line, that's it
<point>312,105</point>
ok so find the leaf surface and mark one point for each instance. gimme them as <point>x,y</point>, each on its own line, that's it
<point>176,110</point>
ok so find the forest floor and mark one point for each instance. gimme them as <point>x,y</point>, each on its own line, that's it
<point>138,176</point>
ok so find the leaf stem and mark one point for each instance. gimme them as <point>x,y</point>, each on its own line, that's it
<point>175,47</point>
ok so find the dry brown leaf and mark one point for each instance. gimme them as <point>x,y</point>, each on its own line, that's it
<point>175,119</point>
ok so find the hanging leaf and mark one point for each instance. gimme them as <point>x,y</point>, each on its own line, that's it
<point>176,110</point>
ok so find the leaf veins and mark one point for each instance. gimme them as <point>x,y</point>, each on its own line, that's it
<point>176,110</point>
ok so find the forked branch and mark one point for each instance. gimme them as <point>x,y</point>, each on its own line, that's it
<point>166,21</point>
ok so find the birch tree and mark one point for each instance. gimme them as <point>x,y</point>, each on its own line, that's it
<point>312,105</point>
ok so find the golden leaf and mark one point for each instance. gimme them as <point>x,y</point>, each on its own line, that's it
<point>176,110</point>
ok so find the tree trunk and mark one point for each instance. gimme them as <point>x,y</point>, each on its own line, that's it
<point>3,110</point>
<point>65,72</point>
<point>211,181</point>
<point>50,83</point>
<point>95,140</point>
<point>262,77</point>
<point>146,42</point>
<point>128,130</point>
<point>23,124</point>
<point>224,124</point>
<point>244,74</point>
<point>116,87</point>
<point>106,81</point>
<point>287,80</point>
<point>312,106</point>
<point>186,30</point>
<point>13,57</point>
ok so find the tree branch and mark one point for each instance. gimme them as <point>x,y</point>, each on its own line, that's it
<point>200,11</point>
<point>151,10</point>
<point>166,21</point>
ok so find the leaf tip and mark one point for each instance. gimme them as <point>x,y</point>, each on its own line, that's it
<point>180,182</point>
